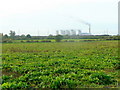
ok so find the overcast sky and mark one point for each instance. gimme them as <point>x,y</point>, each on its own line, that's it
<point>44,17</point>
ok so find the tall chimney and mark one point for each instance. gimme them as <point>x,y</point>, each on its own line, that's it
<point>89,29</point>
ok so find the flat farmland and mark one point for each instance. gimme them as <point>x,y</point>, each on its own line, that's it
<point>93,64</point>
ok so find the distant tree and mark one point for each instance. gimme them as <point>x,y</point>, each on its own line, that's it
<point>12,33</point>
<point>50,36</point>
<point>6,39</point>
<point>22,37</point>
<point>5,36</point>
<point>58,38</point>
<point>28,36</point>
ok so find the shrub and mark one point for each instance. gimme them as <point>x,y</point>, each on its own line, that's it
<point>101,78</point>
<point>14,85</point>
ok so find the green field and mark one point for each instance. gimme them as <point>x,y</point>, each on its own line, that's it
<point>60,65</point>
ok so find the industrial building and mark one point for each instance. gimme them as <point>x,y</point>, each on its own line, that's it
<point>71,32</point>
<point>75,32</point>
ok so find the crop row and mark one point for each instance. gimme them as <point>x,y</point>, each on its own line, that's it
<point>60,65</point>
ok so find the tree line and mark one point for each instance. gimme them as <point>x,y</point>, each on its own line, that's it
<point>12,36</point>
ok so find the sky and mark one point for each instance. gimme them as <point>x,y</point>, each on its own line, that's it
<point>44,17</point>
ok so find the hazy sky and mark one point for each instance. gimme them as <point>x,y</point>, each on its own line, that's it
<point>43,17</point>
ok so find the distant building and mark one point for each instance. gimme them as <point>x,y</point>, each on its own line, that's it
<point>62,32</point>
<point>57,32</point>
<point>71,32</point>
<point>85,34</point>
<point>1,34</point>
<point>67,32</point>
<point>79,32</point>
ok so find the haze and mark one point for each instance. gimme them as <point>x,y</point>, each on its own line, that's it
<point>44,17</point>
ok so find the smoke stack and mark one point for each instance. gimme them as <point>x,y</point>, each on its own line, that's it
<point>89,28</point>
<point>84,22</point>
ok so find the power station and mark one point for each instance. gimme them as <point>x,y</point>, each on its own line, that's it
<point>75,32</point>
<point>72,32</point>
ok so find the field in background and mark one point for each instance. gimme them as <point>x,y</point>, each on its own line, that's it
<point>63,40</point>
<point>60,65</point>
